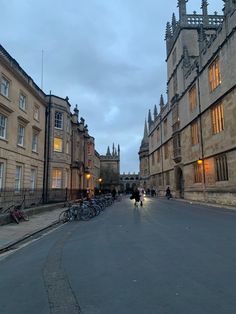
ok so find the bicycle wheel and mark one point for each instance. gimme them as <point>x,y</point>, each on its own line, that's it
<point>64,216</point>
<point>85,213</point>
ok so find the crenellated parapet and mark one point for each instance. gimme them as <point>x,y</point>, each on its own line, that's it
<point>194,20</point>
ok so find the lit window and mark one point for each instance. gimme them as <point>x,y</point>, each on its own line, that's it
<point>192,95</point>
<point>56,178</point>
<point>5,86</point>
<point>217,119</point>
<point>1,174</point>
<point>36,113</point>
<point>221,168</point>
<point>197,173</point>
<point>22,102</point>
<point>35,142</point>
<point>58,120</point>
<point>33,179</point>
<point>18,178</point>
<point>57,144</point>
<point>3,125</point>
<point>194,133</point>
<point>21,135</point>
<point>214,74</point>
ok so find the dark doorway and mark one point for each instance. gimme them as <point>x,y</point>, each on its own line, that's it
<point>180,182</point>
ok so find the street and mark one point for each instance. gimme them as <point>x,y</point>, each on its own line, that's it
<point>167,257</point>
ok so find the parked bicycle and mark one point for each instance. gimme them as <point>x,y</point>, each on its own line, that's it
<point>17,213</point>
<point>75,211</point>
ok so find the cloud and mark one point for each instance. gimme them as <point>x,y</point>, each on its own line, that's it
<point>107,56</point>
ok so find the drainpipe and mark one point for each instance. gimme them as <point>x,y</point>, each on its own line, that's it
<point>48,147</point>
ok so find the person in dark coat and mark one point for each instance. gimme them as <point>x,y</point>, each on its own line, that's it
<point>136,196</point>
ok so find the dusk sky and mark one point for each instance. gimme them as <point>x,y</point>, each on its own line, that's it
<point>107,56</point>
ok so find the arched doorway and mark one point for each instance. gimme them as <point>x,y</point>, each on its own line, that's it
<point>179,182</point>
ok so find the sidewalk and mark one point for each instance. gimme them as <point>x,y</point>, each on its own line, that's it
<point>12,233</point>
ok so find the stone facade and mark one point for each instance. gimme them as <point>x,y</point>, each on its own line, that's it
<point>192,141</point>
<point>44,148</point>
<point>110,169</point>
<point>22,129</point>
<point>129,181</point>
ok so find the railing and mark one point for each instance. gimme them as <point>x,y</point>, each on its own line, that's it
<point>34,198</point>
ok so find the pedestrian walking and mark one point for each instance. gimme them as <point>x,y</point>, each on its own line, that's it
<point>141,195</point>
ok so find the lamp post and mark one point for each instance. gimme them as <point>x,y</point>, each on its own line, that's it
<point>100,183</point>
<point>87,176</point>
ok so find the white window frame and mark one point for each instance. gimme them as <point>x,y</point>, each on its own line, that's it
<point>58,123</point>
<point>21,135</point>
<point>3,126</point>
<point>33,176</point>
<point>18,178</point>
<point>56,178</point>
<point>35,136</point>
<point>5,87</point>
<point>22,101</point>
<point>36,113</point>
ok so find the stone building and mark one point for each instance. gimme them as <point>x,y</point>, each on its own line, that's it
<point>58,147</point>
<point>143,160</point>
<point>110,169</point>
<point>46,154</point>
<point>129,181</point>
<point>22,132</point>
<point>84,172</point>
<point>192,140</point>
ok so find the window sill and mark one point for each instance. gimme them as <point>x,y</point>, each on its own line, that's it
<point>21,146</point>
<point>6,97</point>
<point>3,139</point>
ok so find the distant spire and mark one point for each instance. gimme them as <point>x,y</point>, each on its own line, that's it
<point>108,151</point>
<point>168,31</point>
<point>118,150</point>
<point>174,23</point>
<point>161,101</point>
<point>145,136</point>
<point>113,149</point>
<point>155,112</point>
<point>149,117</point>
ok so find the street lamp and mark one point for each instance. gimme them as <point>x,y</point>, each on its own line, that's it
<point>100,183</point>
<point>87,176</point>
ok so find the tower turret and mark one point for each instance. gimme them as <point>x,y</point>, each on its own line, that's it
<point>182,10</point>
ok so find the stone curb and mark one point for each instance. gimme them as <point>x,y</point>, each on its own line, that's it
<point>5,218</point>
<point>26,236</point>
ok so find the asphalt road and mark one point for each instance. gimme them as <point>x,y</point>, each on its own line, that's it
<point>167,257</point>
